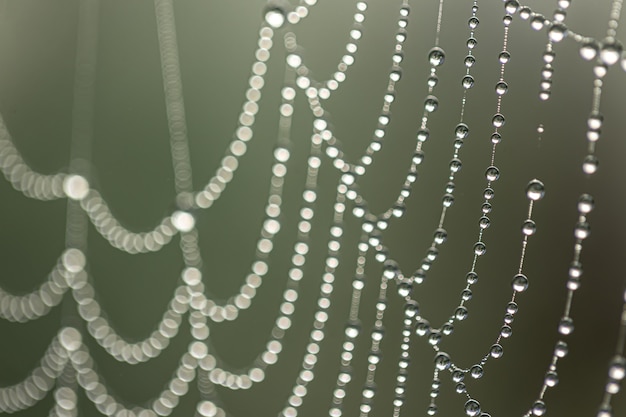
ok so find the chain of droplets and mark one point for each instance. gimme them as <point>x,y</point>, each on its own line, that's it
<point>324,89</point>
<point>352,331</point>
<point>307,368</point>
<point>403,362</point>
<point>443,362</point>
<point>617,368</point>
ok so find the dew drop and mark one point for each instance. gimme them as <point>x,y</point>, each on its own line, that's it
<point>492,173</point>
<point>484,222</point>
<point>422,328</point>
<point>432,80</point>
<point>585,204</point>
<point>467,82</point>
<point>442,361</point>
<point>473,22</point>
<point>496,351</point>
<point>595,121</point>
<point>551,379</point>
<point>405,288</point>
<point>472,408</point>
<point>520,283</point>
<point>461,313</point>
<point>535,190</point>
<point>537,22</point>
<point>432,410</point>
<point>557,32</point>
<point>436,56</point>
<point>466,295</point>
<point>617,369</point>
<point>460,388</point>
<point>582,230</point>
<point>480,248</point>
<point>434,338</point>
<point>423,135</point>
<point>590,164</point>
<point>589,50</point>
<point>431,103</point>
<point>458,376</point>
<point>476,371</point>
<point>461,131</point>
<point>611,51</point>
<point>501,88</point>
<point>70,339</point>
<point>471,278</point>
<point>498,120</point>
<point>560,350</point>
<point>506,331</point>
<point>511,308</point>
<point>566,326</point>
<point>539,408</point>
<point>488,194</point>
<point>440,236</point>
<point>455,165</point>
<point>540,129</point>
<point>447,329</point>
<point>504,57</point>
<point>469,61</point>
<point>448,200</point>
<point>496,138</point>
<point>275,13</point>
<point>471,43</point>
<point>529,227</point>
<point>525,12</point>
<point>486,208</point>
<point>511,6</point>
<point>411,309</point>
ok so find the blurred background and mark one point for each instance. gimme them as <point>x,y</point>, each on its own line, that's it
<point>133,171</point>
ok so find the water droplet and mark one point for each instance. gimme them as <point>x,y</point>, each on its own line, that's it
<point>275,13</point>
<point>611,51</point>
<point>540,129</point>
<point>466,295</point>
<point>504,57</point>
<point>431,103</point>
<point>486,208</point>
<point>476,371</point>
<point>617,369</point>
<point>448,200</point>
<point>471,278</point>
<point>544,95</point>
<point>471,42</point>
<point>353,328</point>
<point>589,50</point>
<point>585,204</point>
<point>442,361</point>
<point>473,22</point>
<point>560,350</point>
<point>395,74</point>
<point>460,388</point>
<point>479,248</point>
<point>496,138</point>
<point>461,131</point>
<point>467,82</point>
<point>492,173</point>
<point>582,230</point>
<point>469,61</point>
<point>440,236</point>
<point>551,379</point>
<point>520,283</point>
<point>501,88</point>
<point>537,22</point>
<point>447,329</point>
<point>511,6</point>
<point>455,165</point>
<point>535,190</point>
<point>419,276</point>
<point>566,326</point>
<point>508,318</point>
<point>507,19</point>
<point>458,376</point>
<point>70,339</point>
<point>434,337</point>
<point>511,308</point>
<point>76,187</point>
<point>401,35</point>
<point>411,309</point>
<point>423,135</point>
<point>404,288</point>
<point>488,194</point>
<point>183,221</point>
<point>472,408</point>
<point>605,412</point>
<point>432,80</point>
<point>506,331</point>
<point>484,222</point>
<point>529,227</point>
<point>557,32</point>
<point>595,121</point>
<point>600,70</point>
<point>422,328</point>
<point>432,410</point>
<point>461,313</point>
<point>525,12</point>
<point>496,351</point>
<point>436,56</point>
<point>539,408</point>
<point>498,120</point>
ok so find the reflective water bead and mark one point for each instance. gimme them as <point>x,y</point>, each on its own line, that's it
<point>353,328</point>
<point>498,120</point>
<point>469,61</point>
<point>473,22</point>
<point>511,307</point>
<point>551,379</point>
<point>455,165</point>
<point>590,164</point>
<point>390,269</point>
<point>529,227</point>
<point>467,82</point>
<point>525,12</point>
<point>496,138</point>
<point>472,408</point>
<point>484,222</point>
<point>419,276</point>
<point>432,253</point>
<point>492,173</point>
<point>589,50</point>
<point>496,351</point>
<point>395,74</point>
<point>488,194</point>
<point>544,95</point>
<point>471,278</point>
<point>535,190</point>
<point>447,329</point>
<point>600,70</point>
<point>520,283</point>
<point>563,4</point>
<point>611,51</point>
<point>458,143</point>
<point>401,35</point>
<point>275,13</point>
<point>486,208</point>
<point>461,313</point>
<point>539,408</point>
<point>582,230</point>
<point>593,135</point>
<point>431,103</point>
<point>471,42</point>
<point>432,80</point>
<point>404,288</point>
<point>573,283</point>
<point>566,326</point>
<point>398,209</point>
<point>575,269</point>
<point>506,331</point>
<point>548,57</point>
<point>595,121</point>
<point>476,371</point>
<point>411,309</point>
<point>511,6</point>
<point>560,350</point>
<point>432,410</point>
<point>422,328</point>
<point>461,131</point>
<point>442,361</point>
<point>460,388</point>
<point>434,337</point>
<point>436,56</point>
<point>378,333</point>
<point>423,135</point>
<point>448,200</point>
<point>440,236</point>
<point>557,32</point>
<point>507,19</point>
<point>617,369</point>
<point>501,88</point>
<point>605,411</point>
<point>466,295</point>
<point>458,376</point>
<point>559,15</point>
<point>479,248</point>
<point>537,22</point>
<point>504,57</point>
<point>508,318</point>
